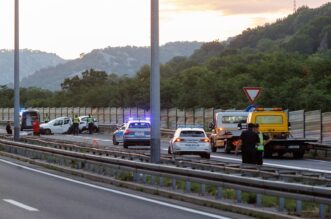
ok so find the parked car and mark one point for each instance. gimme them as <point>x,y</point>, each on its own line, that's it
<point>118,134</point>
<point>83,126</point>
<point>27,117</point>
<point>190,141</point>
<point>59,125</point>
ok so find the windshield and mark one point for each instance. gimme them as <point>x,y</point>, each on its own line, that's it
<point>269,119</point>
<point>234,119</point>
<point>137,125</point>
<point>192,134</point>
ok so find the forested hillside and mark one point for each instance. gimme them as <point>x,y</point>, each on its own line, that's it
<point>292,63</point>
<point>120,60</point>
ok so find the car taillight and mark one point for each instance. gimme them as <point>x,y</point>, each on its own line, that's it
<point>179,140</point>
<point>206,140</point>
<point>127,132</point>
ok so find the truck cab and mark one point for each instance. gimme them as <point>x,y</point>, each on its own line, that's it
<point>225,132</point>
<point>273,122</point>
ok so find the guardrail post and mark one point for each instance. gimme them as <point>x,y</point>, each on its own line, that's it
<point>144,178</point>
<point>298,207</point>
<point>281,204</point>
<point>203,189</point>
<point>322,211</point>
<point>161,181</point>
<point>238,194</point>
<point>152,180</point>
<point>258,200</point>
<point>219,193</point>
<point>174,186</point>
<point>188,186</point>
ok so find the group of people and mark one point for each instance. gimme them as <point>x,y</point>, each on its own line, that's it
<point>252,144</point>
<point>76,121</point>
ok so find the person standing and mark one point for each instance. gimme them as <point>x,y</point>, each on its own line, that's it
<point>249,140</point>
<point>46,119</point>
<point>8,129</point>
<point>36,127</point>
<point>90,123</point>
<point>263,140</point>
<point>76,125</point>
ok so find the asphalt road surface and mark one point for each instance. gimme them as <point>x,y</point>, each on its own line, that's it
<point>30,193</point>
<point>285,162</point>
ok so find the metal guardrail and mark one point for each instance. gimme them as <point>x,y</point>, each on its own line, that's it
<point>284,174</point>
<point>170,177</point>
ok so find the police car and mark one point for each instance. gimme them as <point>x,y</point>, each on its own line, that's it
<point>190,140</point>
<point>137,132</point>
<point>118,134</point>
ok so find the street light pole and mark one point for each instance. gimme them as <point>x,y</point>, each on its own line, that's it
<point>155,83</point>
<point>16,76</point>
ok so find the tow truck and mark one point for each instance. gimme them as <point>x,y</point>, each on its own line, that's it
<point>274,123</point>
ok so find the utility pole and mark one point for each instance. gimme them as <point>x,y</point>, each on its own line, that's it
<point>294,6</point>
<point>16,76</point>
<point>155,84</point>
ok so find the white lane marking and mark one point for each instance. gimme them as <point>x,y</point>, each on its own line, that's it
<point>21,205</point>
<point>117,192</point>
<point>277,165</point>
<point>91,138</point>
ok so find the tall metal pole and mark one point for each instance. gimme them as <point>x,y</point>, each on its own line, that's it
<point>16,76</point>
<point>155,83</point>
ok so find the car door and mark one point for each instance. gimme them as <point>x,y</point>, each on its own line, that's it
<point>57,126</point>
<point>66,125</point>
<point>119,134</point>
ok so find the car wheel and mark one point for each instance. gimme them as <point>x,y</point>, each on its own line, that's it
<point>228,148</point>
<point>48,132</point>
<point>207,156</point>
<point>125,145</point>
<point>114,141</point>
<point>169,151</point>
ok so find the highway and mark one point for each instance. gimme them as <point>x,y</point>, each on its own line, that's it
<point>285,162</point>
<point>32,193</point>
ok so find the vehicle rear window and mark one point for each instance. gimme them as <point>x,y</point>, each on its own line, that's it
<point>269,119</point>
<point>234,119</point>
<point>192,134</point>
<point>139,125</point>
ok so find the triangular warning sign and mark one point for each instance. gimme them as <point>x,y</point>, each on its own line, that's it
<point>252,93</point>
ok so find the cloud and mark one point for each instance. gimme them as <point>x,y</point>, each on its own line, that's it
<point>231,7</point>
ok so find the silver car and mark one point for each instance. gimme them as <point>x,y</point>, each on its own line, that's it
<point>190,141</point>
<point>137,132</point>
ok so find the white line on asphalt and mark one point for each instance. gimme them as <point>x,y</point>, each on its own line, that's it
<point>21,205</point>
<point>277,165</point>
<point>118,192</point>
<point>91,138</point>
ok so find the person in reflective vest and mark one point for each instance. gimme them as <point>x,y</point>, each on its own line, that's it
<point>46,119</point>
<point>263,140</point>
<point>90,123</point>
<point>76,125</point>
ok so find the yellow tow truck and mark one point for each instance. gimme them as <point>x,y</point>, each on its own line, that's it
<point>274,123</point>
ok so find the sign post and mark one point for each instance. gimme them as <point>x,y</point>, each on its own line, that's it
<point>252,93</point>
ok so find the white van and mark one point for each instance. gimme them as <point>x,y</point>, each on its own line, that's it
<point>225,131</point>
<point>59,125</point>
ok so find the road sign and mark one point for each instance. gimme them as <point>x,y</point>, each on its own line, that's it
<point>252,93</point>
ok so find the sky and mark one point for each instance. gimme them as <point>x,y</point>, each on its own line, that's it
<point>71,27</point>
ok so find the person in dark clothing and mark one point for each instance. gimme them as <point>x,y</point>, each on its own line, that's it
<point>8,129</point>
<point>249,140</point>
